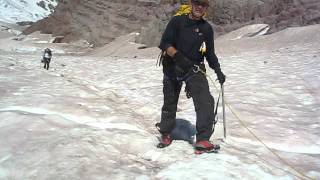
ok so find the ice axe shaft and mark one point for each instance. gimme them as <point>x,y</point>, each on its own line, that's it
<point>223,113</point>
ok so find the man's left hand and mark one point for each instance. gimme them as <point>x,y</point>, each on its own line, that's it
<point>221,77</point>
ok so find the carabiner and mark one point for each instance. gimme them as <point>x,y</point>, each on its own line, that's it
<point>196,68</point>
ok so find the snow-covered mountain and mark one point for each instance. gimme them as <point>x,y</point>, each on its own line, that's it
<point>12,11</point>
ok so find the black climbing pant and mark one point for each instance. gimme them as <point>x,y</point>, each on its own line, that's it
<point>46,62</point>
<point>197,86</point>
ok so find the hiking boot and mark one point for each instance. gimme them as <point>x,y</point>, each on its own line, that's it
<point>165,141</point>
<point>205,145</point>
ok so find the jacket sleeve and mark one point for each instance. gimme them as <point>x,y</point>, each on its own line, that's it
<point>168,37</point>
<point>210,54</point>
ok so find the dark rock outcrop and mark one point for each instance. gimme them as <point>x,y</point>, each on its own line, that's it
<point>279,14</point>
<point>100,21</point>
<point>228,15</point>
<point>97,21</point>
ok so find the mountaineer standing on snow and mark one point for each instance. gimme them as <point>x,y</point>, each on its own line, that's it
<point>46,58</point>
<point>186,41</point>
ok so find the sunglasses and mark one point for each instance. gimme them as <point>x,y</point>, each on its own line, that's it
<point>198,3</point>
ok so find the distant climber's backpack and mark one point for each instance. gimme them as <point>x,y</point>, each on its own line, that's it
<point>47,55</point>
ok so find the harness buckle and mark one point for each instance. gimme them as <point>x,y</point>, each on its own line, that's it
<point>196,68</point>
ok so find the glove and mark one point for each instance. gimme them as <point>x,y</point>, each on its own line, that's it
<point>183,64</point>
<point>221,76</point>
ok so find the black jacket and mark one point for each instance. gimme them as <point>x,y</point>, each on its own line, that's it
<point>187,36</point>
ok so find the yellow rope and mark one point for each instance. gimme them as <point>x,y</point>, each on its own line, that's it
<point>297,172</point>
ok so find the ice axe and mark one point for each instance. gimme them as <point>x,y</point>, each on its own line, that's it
<point>223,113</point>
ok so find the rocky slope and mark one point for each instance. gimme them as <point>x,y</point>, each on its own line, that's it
<point>228,15</point>
<point>97,21</point>
<point>279,14</point>
<point>100,21</point>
